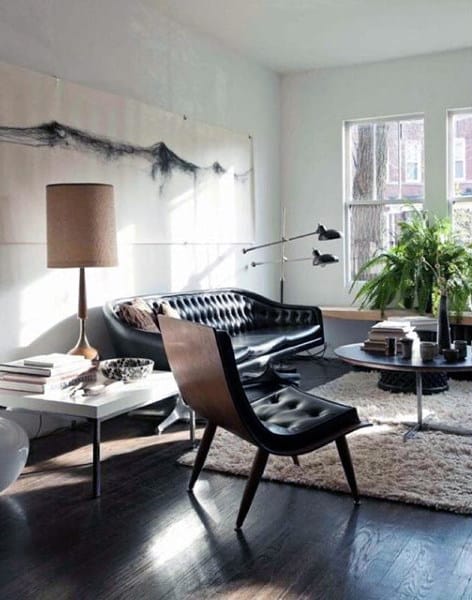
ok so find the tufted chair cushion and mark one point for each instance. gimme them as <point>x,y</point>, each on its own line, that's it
<point>292,411</point>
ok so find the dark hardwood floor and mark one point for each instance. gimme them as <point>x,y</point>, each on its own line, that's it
<point>147,538</point>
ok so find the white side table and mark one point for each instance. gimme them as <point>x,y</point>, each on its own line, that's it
<point>117,398</point>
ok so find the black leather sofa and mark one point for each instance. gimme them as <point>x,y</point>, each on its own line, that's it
<point>260,329</point>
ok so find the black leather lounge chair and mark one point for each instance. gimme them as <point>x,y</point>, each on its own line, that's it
<point>287,422</point>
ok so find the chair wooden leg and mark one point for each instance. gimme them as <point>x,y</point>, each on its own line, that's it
<point>258,467</point>
<point>346,461</point>
<point>203,448</point>
<point>295,460</point>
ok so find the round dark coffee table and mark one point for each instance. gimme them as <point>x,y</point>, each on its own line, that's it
<point>405,382</point>
<point>355,355</point>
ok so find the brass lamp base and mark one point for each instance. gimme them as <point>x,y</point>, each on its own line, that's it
<point>83,348</point>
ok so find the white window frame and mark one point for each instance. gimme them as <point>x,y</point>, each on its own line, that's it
<point>415,149</point>
<point>347,180</point>
<point>392,181</point>
<point>461,158</point>
<point>454,199</point>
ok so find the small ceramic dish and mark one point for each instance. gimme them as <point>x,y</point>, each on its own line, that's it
<point>126,369</point>
<point>451,355</point>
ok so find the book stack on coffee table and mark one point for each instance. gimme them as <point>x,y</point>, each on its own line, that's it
<point>378,334</point>
<point>418,322</point>
<point>46,373</point>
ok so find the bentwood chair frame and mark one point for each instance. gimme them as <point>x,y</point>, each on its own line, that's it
<point>203,364</point>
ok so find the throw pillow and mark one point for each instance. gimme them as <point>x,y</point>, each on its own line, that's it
<point>167,310</point>
<point>138,314</point>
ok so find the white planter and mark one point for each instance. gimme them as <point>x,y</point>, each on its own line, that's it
<point>36,424</point>
<point>14,448</point>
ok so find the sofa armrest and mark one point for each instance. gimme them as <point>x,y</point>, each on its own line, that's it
<point>277,313</point>
<point>129,341</point>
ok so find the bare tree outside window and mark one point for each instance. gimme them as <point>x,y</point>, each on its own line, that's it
<point>380,183</point>
<point>460,172</point>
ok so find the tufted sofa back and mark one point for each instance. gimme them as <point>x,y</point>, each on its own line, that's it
<point>235,311</point>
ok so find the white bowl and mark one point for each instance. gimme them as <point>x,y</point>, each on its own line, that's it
<point>126,369</point>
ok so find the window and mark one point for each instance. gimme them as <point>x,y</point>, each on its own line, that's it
<point>460,171</point>
<point>392,164</point>
<point>413,150</point>
<point>384,176</point>
<point>459,159</point>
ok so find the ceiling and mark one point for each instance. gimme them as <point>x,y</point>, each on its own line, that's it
<point>293,35</point>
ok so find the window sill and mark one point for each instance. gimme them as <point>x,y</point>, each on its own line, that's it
<point>351,313</point>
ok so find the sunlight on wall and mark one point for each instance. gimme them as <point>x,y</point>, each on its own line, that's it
<point>182,217</point>
<point>195,266</point>
<point>216,213</point>
<point>200,267</point>
<point>47,301</point>
<point>207,212</point>
<point>124,276</point>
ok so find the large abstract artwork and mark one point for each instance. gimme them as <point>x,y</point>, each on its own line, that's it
<point>176,181</point>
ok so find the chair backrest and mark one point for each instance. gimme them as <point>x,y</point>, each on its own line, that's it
<point>204,379</point>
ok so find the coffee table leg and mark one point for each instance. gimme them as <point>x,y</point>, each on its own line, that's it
<point>420,425</point>
<point>419,399</point>
<point>192,426</point>
<point>419,409</point>
<point>96,459</point>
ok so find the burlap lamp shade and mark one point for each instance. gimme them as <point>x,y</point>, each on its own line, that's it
<point>81,229</point>
<point>81,232</point>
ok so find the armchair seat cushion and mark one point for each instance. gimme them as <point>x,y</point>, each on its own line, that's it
<point>291,411</point>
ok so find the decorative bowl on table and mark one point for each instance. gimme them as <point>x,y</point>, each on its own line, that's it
<point>126,369</point>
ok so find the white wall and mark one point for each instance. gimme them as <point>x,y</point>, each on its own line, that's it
<point>314,106</point>
<point>129,49</point>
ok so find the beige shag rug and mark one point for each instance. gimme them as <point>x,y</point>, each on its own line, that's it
<point>433,469</point>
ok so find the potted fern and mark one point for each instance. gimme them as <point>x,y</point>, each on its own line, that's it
<point>426,264</point>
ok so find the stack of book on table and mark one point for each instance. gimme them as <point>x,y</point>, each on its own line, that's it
<point>418,322</point>
<point>378,334</point>
<point>46,373</point>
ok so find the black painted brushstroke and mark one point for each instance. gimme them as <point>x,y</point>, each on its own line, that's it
<point>163,160</point>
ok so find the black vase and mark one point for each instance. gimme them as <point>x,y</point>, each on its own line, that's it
<point>444,331</point>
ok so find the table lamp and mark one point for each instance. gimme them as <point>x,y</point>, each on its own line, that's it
<point>81,232</point>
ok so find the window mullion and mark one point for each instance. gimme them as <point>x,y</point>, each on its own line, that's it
<point>374,163</point>
<point>400,141</point>
<point>459,180</point>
